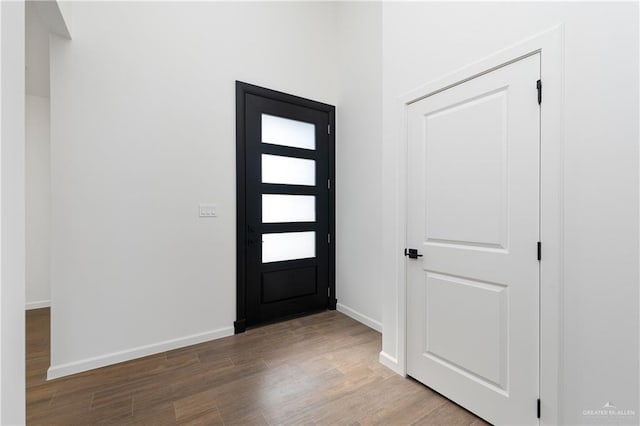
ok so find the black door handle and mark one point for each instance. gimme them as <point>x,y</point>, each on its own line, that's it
<point>412,253</point>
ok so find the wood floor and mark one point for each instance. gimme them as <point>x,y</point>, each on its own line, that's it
<point>322,369</point>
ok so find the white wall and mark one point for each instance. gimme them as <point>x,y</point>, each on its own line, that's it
<point>36,51</point>
<point>12,201</point>
<point>66,13</point>
<point>424,41</point>
<point>56,15</point>
<point>142,130</point>
<point>38,199</point>
<point>38,186</point>
<point>359,144</point>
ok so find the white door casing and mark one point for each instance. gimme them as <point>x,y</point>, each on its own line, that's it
<point>473,210</point>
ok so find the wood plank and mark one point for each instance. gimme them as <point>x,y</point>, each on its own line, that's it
<point>319,369</point>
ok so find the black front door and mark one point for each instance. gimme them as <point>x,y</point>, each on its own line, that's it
<point>285,205</point>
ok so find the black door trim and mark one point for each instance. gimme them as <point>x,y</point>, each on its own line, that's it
<point>242,90</point>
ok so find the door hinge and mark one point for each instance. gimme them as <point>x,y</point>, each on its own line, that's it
<point>329,238</point>
<point>539,87</point>
<point>538,407</point>
<point>539,250</point>
<point>328,129</point>
<point>328,183</point>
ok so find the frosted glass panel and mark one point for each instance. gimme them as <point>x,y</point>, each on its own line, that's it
<point>283,131</point>
<point>288,208</point>
<point>288,246</point>
<point>288,170</point>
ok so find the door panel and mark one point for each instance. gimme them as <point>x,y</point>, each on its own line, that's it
<point>473,212</point>
<point>288,283</point>
<point>288,170</point>
<point>287,207</point>
<point>284,246</point>
<point>467,210</point>
<point>283,131</point>
<point>279,208</point>
<point>466,326</point>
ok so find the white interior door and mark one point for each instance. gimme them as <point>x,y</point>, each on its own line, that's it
<point>473,213</point>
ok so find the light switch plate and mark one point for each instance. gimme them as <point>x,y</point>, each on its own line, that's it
<point>207,210</point>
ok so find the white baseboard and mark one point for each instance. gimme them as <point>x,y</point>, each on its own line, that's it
<point>37,304</point>
<point>368,321</point>
<point>391,363</point>
<point>56,371</point>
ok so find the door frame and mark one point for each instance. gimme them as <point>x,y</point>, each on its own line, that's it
<point>243,89</point>
<point>549,44</point>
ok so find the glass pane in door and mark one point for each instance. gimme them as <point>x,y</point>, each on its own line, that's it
<point>278,208</point>
<point>283,131</point>
<point>288,246</point>
<point>288,170</point>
